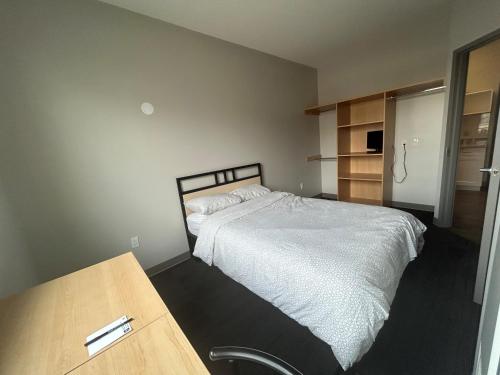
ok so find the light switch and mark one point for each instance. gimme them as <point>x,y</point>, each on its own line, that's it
<point>134,242</point>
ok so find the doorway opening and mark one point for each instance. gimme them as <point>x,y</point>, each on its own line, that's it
<point>468,196</point>
<point>477,140</point>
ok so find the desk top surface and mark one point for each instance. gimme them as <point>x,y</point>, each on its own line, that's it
<point>162,352</point>
<point>43,329</point>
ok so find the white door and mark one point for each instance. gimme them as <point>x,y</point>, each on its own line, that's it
<point>488,280</point>
<point>488,342</point>
<point>489,216</point>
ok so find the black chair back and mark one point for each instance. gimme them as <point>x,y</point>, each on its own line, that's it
<point>236,353</point>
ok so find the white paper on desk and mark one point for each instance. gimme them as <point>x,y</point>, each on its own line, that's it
<point>110,337</point>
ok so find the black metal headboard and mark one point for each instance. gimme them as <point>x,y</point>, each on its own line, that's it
<point>221,177</point>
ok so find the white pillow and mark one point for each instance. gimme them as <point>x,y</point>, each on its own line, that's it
<point>212,203</point>
<point>251,192</point>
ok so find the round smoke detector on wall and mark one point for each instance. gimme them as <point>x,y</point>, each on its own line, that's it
<point>147,108</point>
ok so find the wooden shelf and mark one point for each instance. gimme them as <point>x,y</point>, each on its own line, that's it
<point>376,202</point>
<point>363,99</point>
<point>319,158</point>
<point>393,93</point>
<point>473,146</point>
<point>475,113</point>
<point>477,103</point>
<point>361,173</point>
<point>361,124</point>
<point>483,137</point>
<point>360,154</point>
<point>376,177</point>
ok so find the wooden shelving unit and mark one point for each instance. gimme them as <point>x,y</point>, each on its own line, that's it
<point>361,124</point>
<point>401,91</point>
<point>365,177</point>
<point>361,174</point>
<point>360,154</point>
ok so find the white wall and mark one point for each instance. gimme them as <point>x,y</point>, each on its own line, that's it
<point>421,117</point>
<point>328,142</point>
<point>85,170</point>
<point>417,116</point>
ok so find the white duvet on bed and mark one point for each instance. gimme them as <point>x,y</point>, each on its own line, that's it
<point>333,267</point>
<point>194,222</point>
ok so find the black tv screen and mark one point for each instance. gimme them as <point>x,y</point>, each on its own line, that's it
<point>375,141</point>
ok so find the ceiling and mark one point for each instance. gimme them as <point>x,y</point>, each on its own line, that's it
<point>311,32</point>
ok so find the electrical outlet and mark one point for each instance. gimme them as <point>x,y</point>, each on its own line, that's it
<point>134,242</point>
<point>301,185</point>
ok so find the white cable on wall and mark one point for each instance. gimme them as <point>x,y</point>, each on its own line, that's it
<point>395,163</point>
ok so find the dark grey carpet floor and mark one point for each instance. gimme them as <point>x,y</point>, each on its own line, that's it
<point>431,330</point>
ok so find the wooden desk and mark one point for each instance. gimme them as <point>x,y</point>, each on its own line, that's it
<point>161,353</point>
<point>42,331</point>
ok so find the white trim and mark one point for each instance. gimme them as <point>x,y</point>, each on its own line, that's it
<point>495,350</point>
<point>478,369</point>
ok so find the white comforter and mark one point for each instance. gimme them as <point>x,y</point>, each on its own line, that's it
<point>333,267</point>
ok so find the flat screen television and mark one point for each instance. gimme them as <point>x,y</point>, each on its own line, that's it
<point>375,141</point>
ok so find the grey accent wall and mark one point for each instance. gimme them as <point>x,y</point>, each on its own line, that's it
<point>471,20</point>
<point>17,270</point>
<point>84,169</point>
<point>391,56</point>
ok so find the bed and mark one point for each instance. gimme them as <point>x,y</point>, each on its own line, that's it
<point>333,267</point>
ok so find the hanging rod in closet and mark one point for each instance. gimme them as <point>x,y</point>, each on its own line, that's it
<point>320,158</point>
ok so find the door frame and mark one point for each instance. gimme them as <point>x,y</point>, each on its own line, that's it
<point>458,80</point>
